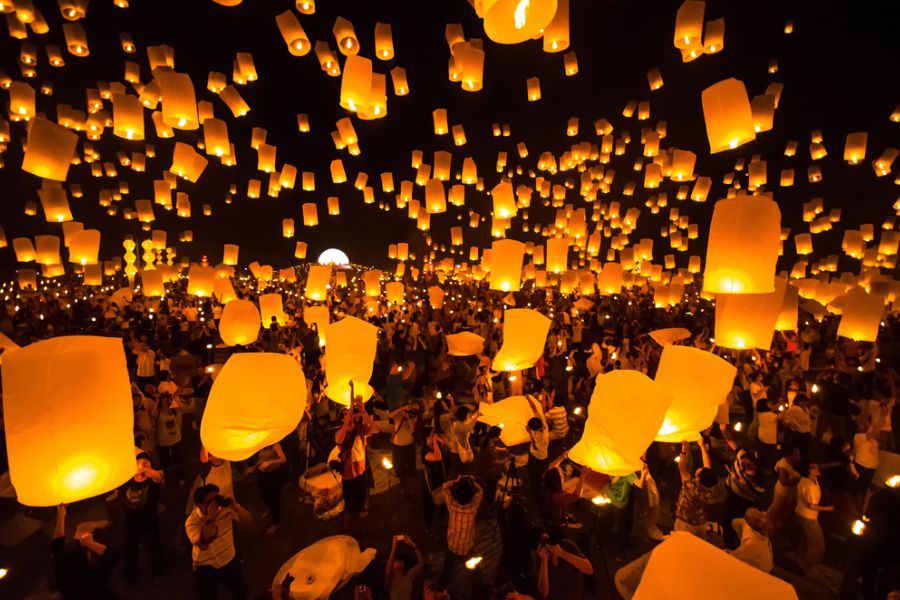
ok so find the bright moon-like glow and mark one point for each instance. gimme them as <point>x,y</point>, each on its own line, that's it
<point>333,256</point>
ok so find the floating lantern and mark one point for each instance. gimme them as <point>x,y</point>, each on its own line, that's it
<point>317,282</point>
<point>626,412</point>
<point>349,357</point>
<point>524,333</point>
<point>256,400</point>
<point>84,247</point>
<point>50,149</point>
<point>728,116</point>
<point>201,281</point>
<point>506,265</point>
<point>293,34</point>
<point>272,309</point>
<point>68,419</point>
<point>748,320</point>
<point>861,315</point>
<point>698,381</point>
<point>179,103</point>
<point>743,245</point>
<point>514,21</point>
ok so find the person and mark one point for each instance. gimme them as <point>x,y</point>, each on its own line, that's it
<point>808,508</point>
<point>865,451</point>
<point>784,498</point>
<point>270,462</point>
<point>554,500</point>
<point>559,421</point>
<point>210,528</point>
<point>140,502</point>
<point>403,446</point>
<point>562,567</point>
<point>538,446</point>
<point>146,364</point>
<point>398,579</point>
<point>693,499</point>
<point>767,432</point>
<point>433,481</point>
<point>168,432</point>
<point>799,424</point>
<point>464,418</point>
<point>836,404</point>
<point>491,463</point>
<point>618,491</point>
<point>518,537</point>
<point>81,570</point>
<point>463,496</point>
<point>755,548</point>
<point>743,489</point>
<point>351,443</point>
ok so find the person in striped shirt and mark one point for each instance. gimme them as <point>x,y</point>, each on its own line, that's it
<point>463,497</point>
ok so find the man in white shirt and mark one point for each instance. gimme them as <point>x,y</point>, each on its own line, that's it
<point>146,364</point>
<point>755,548</point>
<point>210,530</point>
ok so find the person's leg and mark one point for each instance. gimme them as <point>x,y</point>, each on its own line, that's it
<point>449,560</point>
<point>735,507</point>
<point>154,547</point>
<point>207,580</point>
<point>130,555</point>
<point>814,541</point>
<point>233,578</point>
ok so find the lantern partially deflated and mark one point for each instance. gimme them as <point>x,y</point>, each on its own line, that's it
<point>626,411</point>
<point>349,356</point>
<point>511,415</point>
<point>69,420</point>
<point>256,400</point>
<point>239,324</point>
<point>524,333</point>
<point>464,343</point>
<point>743,245</point>
<point>698,382</point>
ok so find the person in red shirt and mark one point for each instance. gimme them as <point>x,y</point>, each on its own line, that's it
<point>351,441</point>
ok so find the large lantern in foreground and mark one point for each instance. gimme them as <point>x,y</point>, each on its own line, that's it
<point>742,251</point>
<point>515,21</point>
<point>524,333</point>
<point>239,324</point>
<point>626,411</point>
<point>349,357</point>
<point>698,382</point>
<point>69,419</point>
<point>256,400</point>
<point>748,320</point>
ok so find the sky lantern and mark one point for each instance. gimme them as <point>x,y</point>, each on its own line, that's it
<point>187,163</point>
<point>557,254</point>
<point>514,21</point>
<point>855,147</point>
<point>76,39</point>
<point>68,418</point>
<point>179,103</point>
<point>349,357</point>
<point>728,116</point>
<point>372,283</point>
<point>611,278</point>
<point>743,244</point>
<point>230,254</point>
<point>788,315</point>
<point>384,41</point>
<point>746,321</point>
<point>533,89</point>
<point>320,317</point>
<point>506,265</point>
<point>803,243</point>
<point>84,247</point>
<point>393,292</point>
<point>47,249</point>
<point>128,117</point>
<point>50,149</point>
<point>435,196</point>
<point>504,200</point>
<point>626,412</point>
<point>511,415</point>
<point>215,137</point>
<point>356,83</point>
<point>256,400</point>
<point>689,25</point>
<point>152,283</point>
<point>861,315</point>
<point>287,228</point>
<point>310,214</point>
<point>317,282</point>
<point>723,576</point>
<point>436,297</point>
<point>55,204</point>
<point>272,309</point>
<point>345,36</point>
<point>201,280</point>
<point>698,381</point>
<point>293,34</point>
<point>556,34</point>
<point>524,333</point>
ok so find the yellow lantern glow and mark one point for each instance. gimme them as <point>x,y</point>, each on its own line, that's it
<point>317,282</point>
<point>349,357</point>
<point>310,214</point>
<point>272,309</point>
<point>515,21</point>
<point>861,315</point>
<point>256,400</point>
<point>748,320</point>
<point>742,251</point>
<point>68,418</point>
<point>84,247</point>
<point>728,116</point>
<point>179,103</point>
<point>50,149</point>
<point>201,280</point>
<point>698,382</point>
<point>356,83</point>
<point>626,412</point>
<point>506,265</point>
<point>293,34</point>
<point>787,316</point>
<point>524,333</point>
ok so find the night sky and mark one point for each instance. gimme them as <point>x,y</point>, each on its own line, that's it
<point>839,70</point>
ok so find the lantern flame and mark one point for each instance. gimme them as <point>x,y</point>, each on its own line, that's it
<point>521,13</point>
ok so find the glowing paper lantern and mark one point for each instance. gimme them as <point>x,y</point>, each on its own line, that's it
<point>511,415</point>
<point>179,103</point>
<point>689,25</point>
<point>201,280</point>
<point>230,254</point>
<point>223,290</point>
<point>310,214</point>
<point>506,265</point>
<point>557,254</point>
<point>748,320</point>
<point>255,401</point>
<point>665,337</point>
<point>239,324</point>
<point>152,283</point>
<point>47,249</point>
<point>128,117</point>
<point>698,382</point>
<point>787,316</point>
<point>50,150</point>
<point>803,243</point>
<point>465,343</point>
<point>356,83</point>
<point>742,251</point>
<point>372,283</point>
<point>514,21</point>
<point>861,315</point>
<point>524,333</point>
<point>723,576</point>
<point>317,282</point>
<point>68,418</point>
<point>293,34</point>
<point>24,249</point>
<point>393,292</point>
<point>272,309</point>
<point>320,317</point>
<point>84,246</point>
<point>348,358</point>
<point>626,411</point>
<point>611,278</point>
<point>728,116</point>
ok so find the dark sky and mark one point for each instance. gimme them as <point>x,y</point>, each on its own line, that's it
<point>838,69</point>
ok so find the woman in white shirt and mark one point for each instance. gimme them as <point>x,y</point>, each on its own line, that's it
<point>809,494</point>
<point>865,451</point>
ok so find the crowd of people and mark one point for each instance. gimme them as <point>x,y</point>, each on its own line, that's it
<point>784,472</point>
